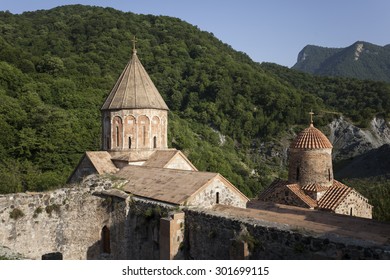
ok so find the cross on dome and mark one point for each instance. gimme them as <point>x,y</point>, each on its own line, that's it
<point>134,40</point>
<point>311,117</point>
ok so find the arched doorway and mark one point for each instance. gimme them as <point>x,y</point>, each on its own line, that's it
<point>106,246</point>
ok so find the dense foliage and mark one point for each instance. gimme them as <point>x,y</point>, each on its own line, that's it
<point>227,112</point>
<point>361,60</point>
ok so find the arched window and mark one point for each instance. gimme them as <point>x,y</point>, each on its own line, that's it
<point>117,132</point>
<point>154,142</point>
<point>129,142</point>
<point>117,136</point>
<point>350,211</point>
<point>217,198</point>
<point>108,142</point>
<point>106,246</point>
<point>144,134</point>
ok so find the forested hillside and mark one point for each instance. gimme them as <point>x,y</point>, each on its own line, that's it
<point>228,113</point>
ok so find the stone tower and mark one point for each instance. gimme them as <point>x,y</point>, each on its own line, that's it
<point>134,115</point>
<point>310,160</point>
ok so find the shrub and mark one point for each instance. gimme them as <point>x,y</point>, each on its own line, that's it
<point>37,212</point>
<point>53,207</point>
<point>16,213</point>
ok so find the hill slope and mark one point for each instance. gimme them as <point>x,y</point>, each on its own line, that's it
<point>361,60</point>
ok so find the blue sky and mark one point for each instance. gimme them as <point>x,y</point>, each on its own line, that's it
<point>267,30</point>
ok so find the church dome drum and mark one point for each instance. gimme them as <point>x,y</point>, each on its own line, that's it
<point>310,158</point>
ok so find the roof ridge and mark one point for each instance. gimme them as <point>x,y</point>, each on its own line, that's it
<point>296,189</point>
<point>334,195</point>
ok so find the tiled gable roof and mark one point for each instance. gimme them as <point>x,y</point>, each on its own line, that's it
<point>101,161</point>
<point>279,185</point>
<point>162,158</point>
<point>169,185</point>
<point>334,196</point>
<point>315,187</point>
<point>296,189</point>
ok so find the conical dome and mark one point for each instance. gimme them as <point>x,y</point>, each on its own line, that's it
<point>134,90</point>
<point>311,138</point>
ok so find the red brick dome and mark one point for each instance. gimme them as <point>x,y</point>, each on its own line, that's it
<point>311,138</point>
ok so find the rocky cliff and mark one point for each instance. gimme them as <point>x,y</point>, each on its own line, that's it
<point>360,153</point>
<point>350,141</point>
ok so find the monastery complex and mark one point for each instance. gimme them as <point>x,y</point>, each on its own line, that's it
<point>139,199</point>
<point>135,125</point>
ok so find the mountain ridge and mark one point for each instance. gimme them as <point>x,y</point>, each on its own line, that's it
<point>361,60</point>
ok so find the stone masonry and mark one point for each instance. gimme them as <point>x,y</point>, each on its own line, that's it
<point>98,221</point>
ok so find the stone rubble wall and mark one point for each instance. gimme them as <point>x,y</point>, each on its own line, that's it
<point>355,205</point>
<point>67,220</point>
<point>70,221</point>
<point>310,166</point>
<point>208,197</point>
<point>179,163</point>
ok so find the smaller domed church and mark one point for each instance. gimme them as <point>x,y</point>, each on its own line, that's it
<point>310,181</point>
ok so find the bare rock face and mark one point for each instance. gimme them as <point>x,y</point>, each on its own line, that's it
<point>7,254</point>
<point>350,141</point>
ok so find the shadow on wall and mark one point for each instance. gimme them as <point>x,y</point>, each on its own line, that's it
<point>112,233</point>
<point>135,236</point>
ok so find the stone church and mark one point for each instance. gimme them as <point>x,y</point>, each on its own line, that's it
<point>135,125</point>
<point>310,181</point>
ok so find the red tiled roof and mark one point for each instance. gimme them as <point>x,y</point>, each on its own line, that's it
<point>296,189</point>
<point>311,138</point>
<point>315,187</point>
<point>334,196</point>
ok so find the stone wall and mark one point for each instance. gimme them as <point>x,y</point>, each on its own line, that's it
<point>66,220</point>
<point>217,192</point>
<point>172,236</point>
<point>355,205</point>
<point>84,169</point>
<point>142,232</point>
<point>134,129</point>
<point>97,221</point>
<point>178,162</point>
<point>284,195</point>
<point>310,166</point>
<point>213,235</point>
